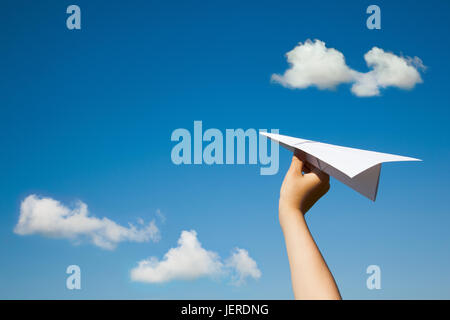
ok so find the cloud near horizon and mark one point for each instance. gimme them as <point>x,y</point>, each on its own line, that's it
<point>313,64</point>
<point>243,266</point>
<point>190,261</point>
<point>48,217</point>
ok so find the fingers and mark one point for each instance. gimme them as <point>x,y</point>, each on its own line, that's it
<point>316,176</point>
<point>324,177</point>
<point>296,164</point>
<point>312,174</point>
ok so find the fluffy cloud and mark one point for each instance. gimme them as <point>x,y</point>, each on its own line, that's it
<point>243,265</point>
<point>313,64</point>
<point>387,70</point>
<point>50,218</point>
<point>189,261</point>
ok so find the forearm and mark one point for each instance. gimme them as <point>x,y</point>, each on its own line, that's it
<point>311,278</point>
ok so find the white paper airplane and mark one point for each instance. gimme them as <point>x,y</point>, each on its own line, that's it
<point>359,169</point>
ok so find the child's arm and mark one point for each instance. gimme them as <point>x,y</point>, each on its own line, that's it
<point>311,278</point>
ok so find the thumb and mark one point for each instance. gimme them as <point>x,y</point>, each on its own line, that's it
<point>317,176</point>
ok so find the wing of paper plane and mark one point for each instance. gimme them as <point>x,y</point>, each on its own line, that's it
<point>358,169</point>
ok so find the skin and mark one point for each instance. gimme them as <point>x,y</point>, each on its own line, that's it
<point>301,188</point>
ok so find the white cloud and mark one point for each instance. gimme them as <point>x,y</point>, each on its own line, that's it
<point>313,64</point>
<point>387,70</point>
<point>186,262</point>
<point>50,218</point>
<point>189,261</point>
<point>243,265</point>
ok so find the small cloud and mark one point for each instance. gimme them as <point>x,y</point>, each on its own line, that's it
<point>190,261</point>
<point>313,64</point>
<point>388,70</point>
<point>48,217</point>
<point>243,266</point>
<point>161,216</point>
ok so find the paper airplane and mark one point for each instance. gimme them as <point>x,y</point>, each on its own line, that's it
<point>358,169</point>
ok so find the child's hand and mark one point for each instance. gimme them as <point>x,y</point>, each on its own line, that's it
<point>311,278</point>
<point>300,191</point>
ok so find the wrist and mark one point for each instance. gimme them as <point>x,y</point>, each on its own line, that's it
<point>286,213</point>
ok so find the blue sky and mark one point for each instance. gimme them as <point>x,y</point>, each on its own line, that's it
<point>88,114</point>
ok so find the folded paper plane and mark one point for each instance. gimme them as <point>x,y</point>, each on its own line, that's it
<point>358,169</point>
